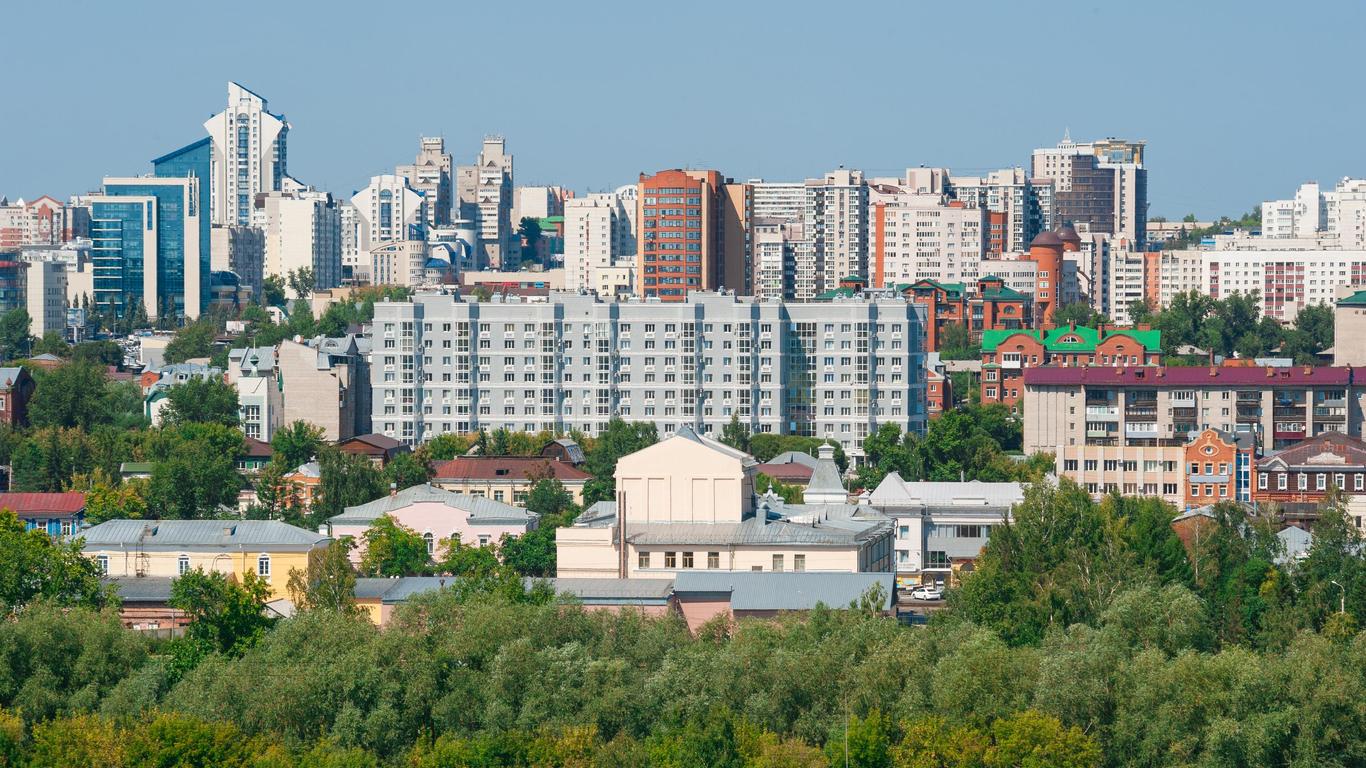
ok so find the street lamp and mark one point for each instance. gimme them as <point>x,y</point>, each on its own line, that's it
<point>1342,600</point>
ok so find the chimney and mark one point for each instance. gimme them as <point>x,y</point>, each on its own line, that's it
<point>826,452</point>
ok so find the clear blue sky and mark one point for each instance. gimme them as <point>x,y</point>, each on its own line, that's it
<point>1239,101</point>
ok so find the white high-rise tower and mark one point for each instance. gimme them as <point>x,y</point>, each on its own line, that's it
<point>248,156</point>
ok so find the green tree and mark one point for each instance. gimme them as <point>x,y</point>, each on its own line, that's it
<point>194,471</point>
<point>226,616</point>
<point>1078,313</point>
<point>295,444</point>
<point>102,352</point>
<point>955,343</point>
<point>76,394</point>
<point>203,401</point>
<point>444,447</point>
<point>301,281</point>
<point>328,582</point>
<point>39,567</point>
<point>393,550</point>
<point>736,434</point>
<point>192,340</point>
<point>529,230</point>
<point>1031,738</point>
<point>406,470</point>
<point>533,552</point>
<point>789,493</point>
<point>346,481</point>
<point>52,343</point>
<point>866,742</point>
<point>273,291</point>
<point>107,500</point>
<point>15,340</point>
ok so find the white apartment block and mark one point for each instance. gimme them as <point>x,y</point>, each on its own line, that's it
<point>1179,271</point>
<point>302,230</point>
<point>260,398</point>
<point>1336,217</point>
<point>782,200</point>
<point>1010,192</point>
<point>836,222</point>
<point>775,244</point>
<point>401,262</point>
<point>1287,280</point>
<point>430,175</point>
<point>45,296</point>
<point>917,235</point>
<point>484,197</point>
<point>598,235</point>
<point>387,210</point>
<point>1126,283</point>
<point>837,369</point>
<point>249,156</point>
<point>538,203</point>
<point>1018,274</point>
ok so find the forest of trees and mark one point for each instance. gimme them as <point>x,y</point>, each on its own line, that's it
<point>1087,636</point>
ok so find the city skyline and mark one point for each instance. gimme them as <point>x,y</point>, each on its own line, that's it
<point>597,136</point>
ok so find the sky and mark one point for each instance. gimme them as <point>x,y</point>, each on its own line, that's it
<point>1238,101</point>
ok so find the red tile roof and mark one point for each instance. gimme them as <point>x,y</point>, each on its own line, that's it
<point>790,472</point>
<point>506,467</point>
<point>257,448</point>
<point>68,503</point>
<point>1201,376</point>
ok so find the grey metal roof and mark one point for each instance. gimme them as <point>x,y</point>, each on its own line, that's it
<point>825,479</point>
<point>794,457</point>
<point>199,534</point>
<point>1296,541</point>
<point>142,589</point>
<point>600,514</point>
<point>819,531</point>
<point>614,591</point>
<point>9,374</point>
<point>686,432</point>
<point>895,492</point>
<point>481,510</point>
<point>787,591</point>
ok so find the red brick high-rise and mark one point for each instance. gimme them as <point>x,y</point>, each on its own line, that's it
<point>681,241</point>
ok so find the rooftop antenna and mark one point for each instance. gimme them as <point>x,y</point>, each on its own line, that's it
<point>1066,135</point>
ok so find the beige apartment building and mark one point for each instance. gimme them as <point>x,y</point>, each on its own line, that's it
<point>1123,428</point>
<point>688,504</point>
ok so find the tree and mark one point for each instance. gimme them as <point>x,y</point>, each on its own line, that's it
<point>735,434</point>
<point>193,340</point>
<point>533,552</point>
<point>328,582</point>
<point>102,352</point>
<point>1141,310</point>
<point>76,394</point>
<point>295,444</point>
<point>1078,313</point>
<point>15,340</point>
<point>194,471</point>
<point>203,401</point>
<point>273,291</point>
<point>865,743</point>
<point>52,343</point>
<point>226,616</point>
<point>107,500</point>
<point>790,494</point>
<point>301,281</point>
<point>444,447</point>
<point>529,229</point>
<point>955,343</point>
<point>406,470</point>
<point>467,561</point>
<point>393,550</point>
<point>37,566</point>
<point>346,481</point>
<point>618,439</point>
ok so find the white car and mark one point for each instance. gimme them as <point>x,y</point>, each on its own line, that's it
<point>927,592</point>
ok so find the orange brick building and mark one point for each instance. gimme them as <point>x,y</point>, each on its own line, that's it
<point>1219,466</point>
<point>993,307</point>
<point>680,242</point>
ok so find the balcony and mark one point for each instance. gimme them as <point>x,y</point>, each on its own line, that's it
<point>1183,413</point>
<point>1102,411</point>
<point>1330,414</point>
<point>1288,412</point>
<point>1140,414</point>
<point>1140,430</point>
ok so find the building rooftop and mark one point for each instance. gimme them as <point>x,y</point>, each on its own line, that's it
<point>1326,451</point>
<point>481,510</point>
<point>1202,376</point>
<point>508,468</point>
<point>786,591</point>
<point>8,375</point>
<point>142,589</point>
<point>68,503</point>
<point>896,492</point>
<point>1357,299</point>
<point>1073,338</point>
<point>200,534</point>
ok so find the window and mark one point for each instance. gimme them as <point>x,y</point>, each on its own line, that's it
<point>1340,480</point>
<point>1320,481</point>
<point>1280,481</point>
<point>102,563</point>
<point>1357,480</point>
<point>1303,481</point>
<point>643,560</point>
<point>263,566</point>
<point>777,563</point>
<point>670,558</point>
<point>483,539</point>
<point>182,565</point>
<point>936,559</point>
<point>713,560</point>
<point>799,562</point>
<point>687,559</point>
<point>1261,481</point>
<point>430,542</point>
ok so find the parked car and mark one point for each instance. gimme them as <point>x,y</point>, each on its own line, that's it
<point>927,592</point>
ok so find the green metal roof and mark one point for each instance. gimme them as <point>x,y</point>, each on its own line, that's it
<point>1357,299</point>
<point>952,288</point>
<point>834,294</point>
<point>1080,338</point>
<point>1003,294</point>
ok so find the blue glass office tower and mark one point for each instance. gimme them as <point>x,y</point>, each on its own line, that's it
<point>193,161</point>
<point>151,237</point>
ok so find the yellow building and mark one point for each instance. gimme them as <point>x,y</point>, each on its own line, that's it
<point>169,548</point>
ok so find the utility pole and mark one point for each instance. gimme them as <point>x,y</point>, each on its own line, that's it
<point>1342,598</point>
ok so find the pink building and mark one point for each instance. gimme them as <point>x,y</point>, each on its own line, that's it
<point>437,515</point>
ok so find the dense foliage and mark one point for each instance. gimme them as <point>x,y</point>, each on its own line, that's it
<point>1235,325</point>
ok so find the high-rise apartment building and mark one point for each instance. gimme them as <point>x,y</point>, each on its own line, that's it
<point>431,176</point>
<point>916,235</point>
<point>249,155</point>
<point>778,200</point>
<point>46,296</point>
<point>242,251</point>
<point>302,230</point>
<point>1335,218</point>
<point>44,221</point>
<point>598,236</point>
<point>737,215</point>
<point>484,197</point>
<point>777,245</point>
<point>1100,184</point>
<point>680,242</point>
<point>388,210</point>
<point>836,223</point>
<point>837,369</point>
<point>1016,207</point>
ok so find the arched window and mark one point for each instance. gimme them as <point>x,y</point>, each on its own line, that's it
<point>431,543</point>
<point>263,566</point>
<point>182,565</point>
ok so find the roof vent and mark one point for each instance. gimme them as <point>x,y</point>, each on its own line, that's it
<point>229,530</point>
